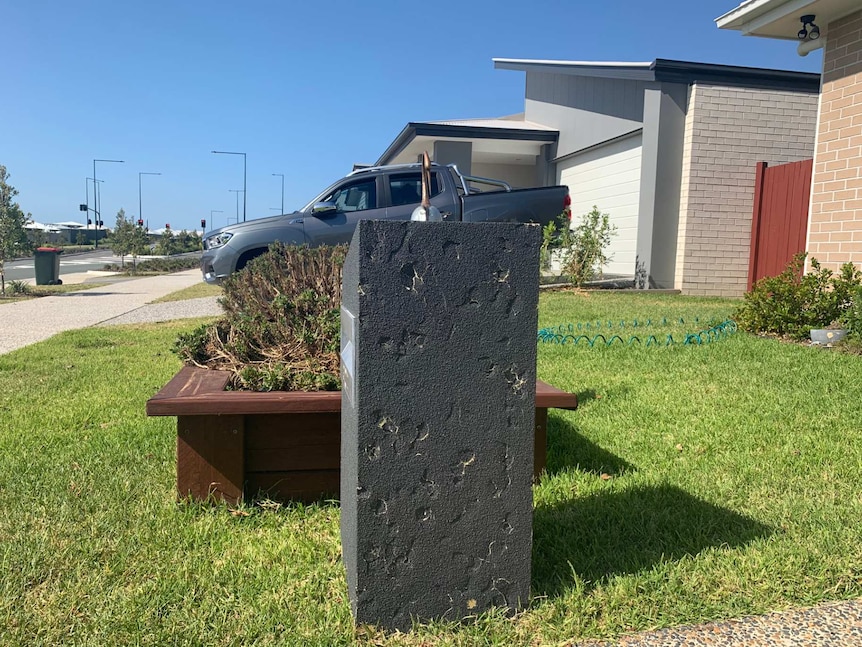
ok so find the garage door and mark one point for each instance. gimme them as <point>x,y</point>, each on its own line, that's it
<point>609,177</point>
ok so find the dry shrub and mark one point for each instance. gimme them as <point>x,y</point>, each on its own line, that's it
<point>280,331</point>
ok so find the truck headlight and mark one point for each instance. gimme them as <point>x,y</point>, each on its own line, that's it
<point>218,240</point>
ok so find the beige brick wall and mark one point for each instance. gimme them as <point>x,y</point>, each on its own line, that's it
<point>835,223</point>
<point>728,130</point>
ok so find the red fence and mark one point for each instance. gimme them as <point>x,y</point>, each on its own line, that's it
<point>781,196</point>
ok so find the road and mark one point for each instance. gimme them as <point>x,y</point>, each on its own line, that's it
<point>74,263</point>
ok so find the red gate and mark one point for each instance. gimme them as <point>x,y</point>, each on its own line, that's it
<point>781,195</point>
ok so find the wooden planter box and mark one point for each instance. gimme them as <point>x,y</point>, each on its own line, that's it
<point>284,444</point>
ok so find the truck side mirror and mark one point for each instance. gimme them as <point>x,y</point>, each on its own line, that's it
<point>324,209</point>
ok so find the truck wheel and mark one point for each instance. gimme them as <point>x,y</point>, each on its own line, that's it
<point>248,256</point>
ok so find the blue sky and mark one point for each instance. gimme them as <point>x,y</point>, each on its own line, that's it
<point>304,88</point>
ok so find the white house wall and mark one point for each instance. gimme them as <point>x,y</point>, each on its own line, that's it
<point>609,177</point>
<point>586,110</point>
<point>518,175</point>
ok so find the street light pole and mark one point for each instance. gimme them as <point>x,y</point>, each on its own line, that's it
<point>87,181</point>
<point>140,212</point>
<point>281,175</point>
<point>243,178</point>
<point>238,191</point>
<point>97,212</point>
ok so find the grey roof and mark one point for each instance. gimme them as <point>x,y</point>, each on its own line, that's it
<point>672,71</point>
<point>518,124</point>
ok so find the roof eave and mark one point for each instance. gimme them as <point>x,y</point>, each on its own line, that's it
<point>407,134</point>
<point>777,18</point>
<point>640,71</point>
<point>670,71</point>
<point>753,11</point>
<point>414,129</point>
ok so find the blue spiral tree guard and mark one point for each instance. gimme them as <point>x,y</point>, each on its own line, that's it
<point>609,333</point>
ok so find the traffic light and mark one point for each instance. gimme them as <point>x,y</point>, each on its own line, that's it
<point>89,221</point>
<point>82,207</point>
<point>203,223</point>
<point>140,222</point>
<point>101,223</point>
<point>167,225</point>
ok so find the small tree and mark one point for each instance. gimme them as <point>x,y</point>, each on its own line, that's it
<point>37,237</point>
<point>13,235</point>
<point>122,238</point>
<point>167,244</point>
<point>583,248</point>
<point>183,241</point>
<point>80,238</point>
<point>140,243</point>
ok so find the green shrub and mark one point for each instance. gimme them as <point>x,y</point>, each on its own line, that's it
<point>793,303</point>
<point>281,327</point>
<point>158,265</point>
<point>551,240</point>
<point>583,248</point>
<point>851,318</point>
<point>18,287</point>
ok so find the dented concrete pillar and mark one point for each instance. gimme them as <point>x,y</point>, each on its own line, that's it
<point>439,370</point>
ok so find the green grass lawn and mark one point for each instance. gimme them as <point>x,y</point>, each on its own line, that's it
<point>195,291</point>
<point>37,291</point>
<point>694,483</point>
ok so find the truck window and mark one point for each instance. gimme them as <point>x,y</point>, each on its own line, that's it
<point>406,188</point>
<point>357,196</point>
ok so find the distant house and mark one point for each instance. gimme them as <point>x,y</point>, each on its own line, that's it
<point>667,148</point>
<point>834,232</point>
<point>71,224</point>
<point>62,232</point>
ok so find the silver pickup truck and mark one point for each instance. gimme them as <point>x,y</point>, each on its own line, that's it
<point>378,193</point>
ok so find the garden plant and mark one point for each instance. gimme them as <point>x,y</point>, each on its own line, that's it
<point>280,331</point>
<point>157,265</point>
<point>794,302</point>
<point>13,235</point>
<point>582,249</point>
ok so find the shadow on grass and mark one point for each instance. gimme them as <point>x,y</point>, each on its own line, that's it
<point>614,533</point>
<point>568,448</point>
<point>584,396</point>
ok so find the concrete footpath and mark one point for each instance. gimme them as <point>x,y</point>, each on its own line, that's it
<point>119,301</point>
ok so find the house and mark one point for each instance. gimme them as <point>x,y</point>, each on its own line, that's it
<point>667,148</point>
<point>834,233</point>
<point>57,232</point>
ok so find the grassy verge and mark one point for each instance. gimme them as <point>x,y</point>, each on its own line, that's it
<point>693,483</point>
<point>34,292</point>
<point>196,291</point>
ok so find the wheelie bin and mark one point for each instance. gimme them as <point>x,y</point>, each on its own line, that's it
<point>47,263</point>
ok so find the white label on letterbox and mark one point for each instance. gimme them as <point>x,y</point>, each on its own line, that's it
<point>348,354</point>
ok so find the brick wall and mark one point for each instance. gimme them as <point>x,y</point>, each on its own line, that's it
<point>835,224</point>
<point>727,131</point>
